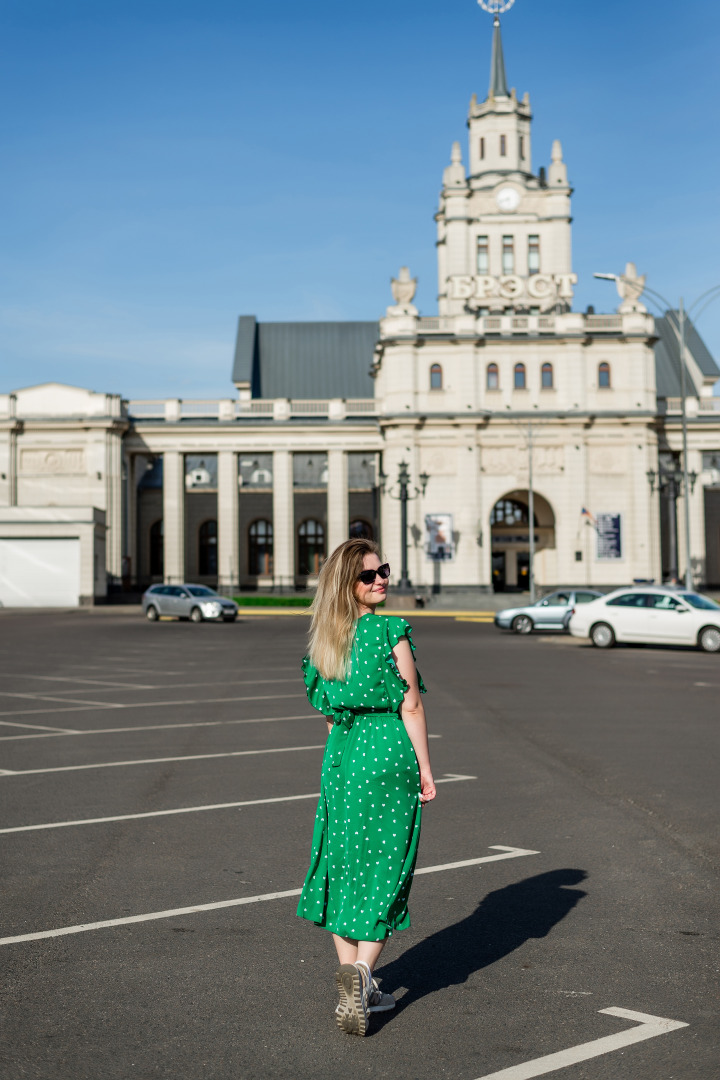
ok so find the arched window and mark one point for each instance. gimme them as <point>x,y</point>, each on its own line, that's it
<point>547,377</point>
<point>156,549</point>
<point>361,528</point>
<point>604,376</point>
<point>311,547</point>
<point>510,512</point>
<point>519,376</point>
<point>436,377</point>
<point>207,549</point>
<point>493,377</point>
<point>260,547</point>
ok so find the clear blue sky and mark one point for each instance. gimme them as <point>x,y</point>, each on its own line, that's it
<point>167,165</point>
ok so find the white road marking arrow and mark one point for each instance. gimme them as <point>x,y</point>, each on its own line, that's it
<point>507,853</point>
<point>650,1027</point>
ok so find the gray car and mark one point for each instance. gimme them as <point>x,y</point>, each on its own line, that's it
<point>194,602</point>
<point>550,613</point>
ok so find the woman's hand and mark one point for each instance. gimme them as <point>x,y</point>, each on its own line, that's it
<point>427,787</point>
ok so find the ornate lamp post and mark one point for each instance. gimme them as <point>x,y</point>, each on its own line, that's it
<point>631,288</point>
<point>403,495</point>
<point>670,479</point>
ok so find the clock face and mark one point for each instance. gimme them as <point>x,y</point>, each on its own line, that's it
<point>507,198</point>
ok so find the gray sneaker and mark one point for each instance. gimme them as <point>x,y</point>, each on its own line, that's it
<point>379,1002</point>
<point>352,1014</point>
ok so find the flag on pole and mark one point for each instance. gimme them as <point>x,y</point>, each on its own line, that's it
<point>584,513</point>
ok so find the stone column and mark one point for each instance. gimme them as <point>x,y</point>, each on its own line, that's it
<point>113,506</point>
<point>174,516</point>
<point>337,499</point>
<point>228,526</point>
<point>283,520</point>
<point>131,497</point>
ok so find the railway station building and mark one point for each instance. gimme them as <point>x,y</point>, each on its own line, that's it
<point>505,387</point>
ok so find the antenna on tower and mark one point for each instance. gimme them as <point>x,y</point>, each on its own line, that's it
<point>498,81</point>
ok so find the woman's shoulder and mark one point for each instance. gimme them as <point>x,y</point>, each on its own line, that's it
<point>396,626</point>
<point>395,620</point>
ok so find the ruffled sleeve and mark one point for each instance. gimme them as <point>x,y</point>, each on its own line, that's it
<point>397,629</point>
<point>316,688</point>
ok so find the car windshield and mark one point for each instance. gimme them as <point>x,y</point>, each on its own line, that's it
<point>702,602</point>
<point>200,590</point>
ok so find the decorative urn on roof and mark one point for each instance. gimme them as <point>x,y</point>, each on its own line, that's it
<point>403,290</point>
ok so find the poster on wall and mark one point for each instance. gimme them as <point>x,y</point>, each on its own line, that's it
<point>439,537</point>
<point>609,536</point>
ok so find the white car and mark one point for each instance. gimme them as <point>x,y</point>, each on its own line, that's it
<point>649,614</point>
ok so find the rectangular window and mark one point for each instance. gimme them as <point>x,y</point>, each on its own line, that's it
<point>483,255</point>
<point>521,147</point>
<point>508,255</point>
<point>503,145</point>
<point>481,149</point>
<point>533,254</point>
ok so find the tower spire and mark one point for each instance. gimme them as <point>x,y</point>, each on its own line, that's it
<point>498,81</point>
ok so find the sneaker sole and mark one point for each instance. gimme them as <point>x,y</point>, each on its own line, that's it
<point>351,1015</point>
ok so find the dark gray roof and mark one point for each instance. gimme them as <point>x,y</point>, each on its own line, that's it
<point>305,359</point>
<point>498,80</point>
<point>667,356</point>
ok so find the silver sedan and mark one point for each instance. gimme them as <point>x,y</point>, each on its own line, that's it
<point>194,602</point>
<point>550,613</point>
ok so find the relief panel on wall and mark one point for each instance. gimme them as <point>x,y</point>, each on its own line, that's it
<point>52,462</point>
<point>607,460</point>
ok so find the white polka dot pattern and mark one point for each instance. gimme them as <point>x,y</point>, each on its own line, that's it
<point>367,826</point>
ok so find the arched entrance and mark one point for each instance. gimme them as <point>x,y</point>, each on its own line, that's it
<point>510,538</point>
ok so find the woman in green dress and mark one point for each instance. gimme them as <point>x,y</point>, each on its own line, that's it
<point>360,673</point>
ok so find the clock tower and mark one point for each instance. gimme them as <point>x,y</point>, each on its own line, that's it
<point>503,231</point>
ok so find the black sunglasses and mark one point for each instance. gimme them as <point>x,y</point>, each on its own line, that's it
<point>368,576</point>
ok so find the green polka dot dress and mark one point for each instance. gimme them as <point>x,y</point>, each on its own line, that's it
<point>367,826</point>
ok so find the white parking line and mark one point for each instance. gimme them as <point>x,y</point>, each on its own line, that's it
<point>53,694</point>
<point>650,1027</point>
<point>46,731</point>
<point>450,778</point>
<point>85,707</point>
<point>158,760</point>
<point>510,853</point>
<point>54,732</point>
<point>74,679</point>
<point>38,696</point>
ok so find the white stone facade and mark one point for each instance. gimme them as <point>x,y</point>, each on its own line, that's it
<point>252,491</point>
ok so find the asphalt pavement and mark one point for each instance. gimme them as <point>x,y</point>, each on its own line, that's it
<point>158,791</point>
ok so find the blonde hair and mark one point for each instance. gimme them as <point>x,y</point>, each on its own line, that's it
<point>335,608</point>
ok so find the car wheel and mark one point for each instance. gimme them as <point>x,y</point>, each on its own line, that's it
<point>151,614</point>
<point>522,624</point>
<point>602,636</point>
<point>196,615</point>
<point>709,639</point>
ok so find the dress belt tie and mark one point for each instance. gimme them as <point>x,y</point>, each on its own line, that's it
<point>345,718</point>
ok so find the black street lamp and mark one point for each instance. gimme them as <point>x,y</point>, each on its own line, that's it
<point>404,497</point>
<point>669,480</point>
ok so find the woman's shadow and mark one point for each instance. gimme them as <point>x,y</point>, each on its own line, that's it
<point>501,923</point>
